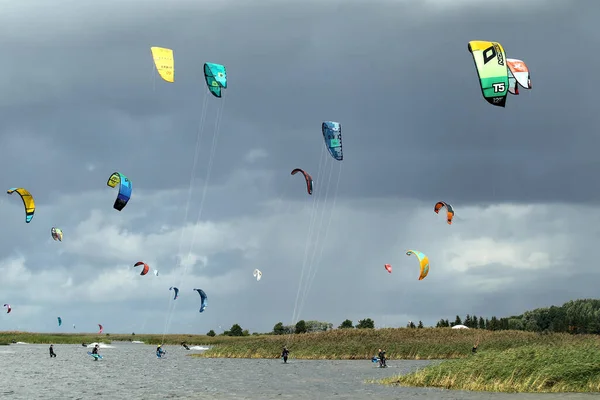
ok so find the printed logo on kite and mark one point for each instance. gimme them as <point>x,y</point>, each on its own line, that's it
<point>493,76</point>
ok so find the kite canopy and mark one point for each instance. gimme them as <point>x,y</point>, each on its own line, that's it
<point>332,134</point>
<point>145,269</point>
<point>57,234</point>
<point>388,268</point>
<point>450,211</point>
<point>59,321</point>
<point>8,308</point>
<point>257,274</point>
<point>125,188</point>
<point>423,262</point>
<point>307,178</point>
<point>164,62</point>
<point>101,329</point>
<point>490,62</point>
<point>203,299</point>
<point>518,74</point>
<point>173,288</point>
<point>216,78</point>
<point>27,202</point>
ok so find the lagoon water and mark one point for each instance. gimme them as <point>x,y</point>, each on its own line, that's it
<point>132,371</point>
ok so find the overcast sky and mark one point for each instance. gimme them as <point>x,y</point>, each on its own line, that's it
<point>80,98</point>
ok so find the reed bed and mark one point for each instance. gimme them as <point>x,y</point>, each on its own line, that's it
<point>562,366</point>
<point>399,343</point>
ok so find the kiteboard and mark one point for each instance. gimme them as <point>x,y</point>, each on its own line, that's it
<point>95,355</point>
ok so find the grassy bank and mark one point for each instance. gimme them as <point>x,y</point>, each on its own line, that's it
<point>567,367</point>
<point>66,338</point>
<point>400,343</point>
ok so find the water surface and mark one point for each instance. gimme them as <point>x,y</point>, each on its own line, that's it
<point>132,372</point>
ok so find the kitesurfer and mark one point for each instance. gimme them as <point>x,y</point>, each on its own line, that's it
<point>52,354</point>
<point>95,351</point>
<point>159,351</point>
<point>185,345</point>
<point>83,344</point>
<point>381,356</point>
<point>285,354</point>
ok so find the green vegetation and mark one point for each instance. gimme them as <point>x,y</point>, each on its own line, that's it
<point>561,364</point>
<point>399,343</point>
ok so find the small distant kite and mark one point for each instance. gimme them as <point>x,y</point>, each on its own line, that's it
<point>101,329</point>
<point>59,321</point>
<point>164,62</point>
<point>173,288</point>
<point>27,202</point>
<point>257,274</point>
<point>450,211</point>
<point>203,299</point>
<point>332,134</point>
<point>216,78</point>
<point>125,188</point>
<point>423,262</point>
<point>307,178</point>
<point>57,234</point>
<point>8,308</point>
<point>145,269</point>
<point>388,268</point>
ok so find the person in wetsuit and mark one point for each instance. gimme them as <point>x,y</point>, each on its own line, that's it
<point>381,356</point>
<point>474,349</point>
<point>159,351</point>
<point>285,354</point>
<point>52,354</point>
<point>95,351</point>
<point>185,345</point>
<point>84,345</point>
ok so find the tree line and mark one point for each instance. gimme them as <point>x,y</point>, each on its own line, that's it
<point>575,316</point>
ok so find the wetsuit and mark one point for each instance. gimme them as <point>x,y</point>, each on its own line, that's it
<point>95,351</point>
<point>284,354</point>
<point>381,356</point>
<point>52,354</point>
<point>474,350</point>
<point>185,346</point>
<point>159,351</point>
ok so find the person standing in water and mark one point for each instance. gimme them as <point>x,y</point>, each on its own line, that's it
<point>285,354</point>
<point>159,351</point>
<point>52,353</point>
<point>95,351</point>
<point>381,356</point>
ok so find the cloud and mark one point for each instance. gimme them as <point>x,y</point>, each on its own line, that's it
<point>82,100</point>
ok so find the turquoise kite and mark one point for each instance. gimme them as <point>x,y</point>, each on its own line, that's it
<point>59,321</point>
<point>216,78</point>
<point>332,134</point>
<point>124,195</point>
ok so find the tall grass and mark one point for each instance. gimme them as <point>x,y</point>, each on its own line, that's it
<point>549,367</point>
<point>399,343</point>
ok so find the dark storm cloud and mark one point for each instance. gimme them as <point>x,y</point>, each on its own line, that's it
<point>397,76</point>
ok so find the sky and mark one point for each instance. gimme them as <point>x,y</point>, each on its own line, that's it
<point>81,99</point>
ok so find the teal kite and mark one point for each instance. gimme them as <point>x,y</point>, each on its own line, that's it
<point>216,78</point>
